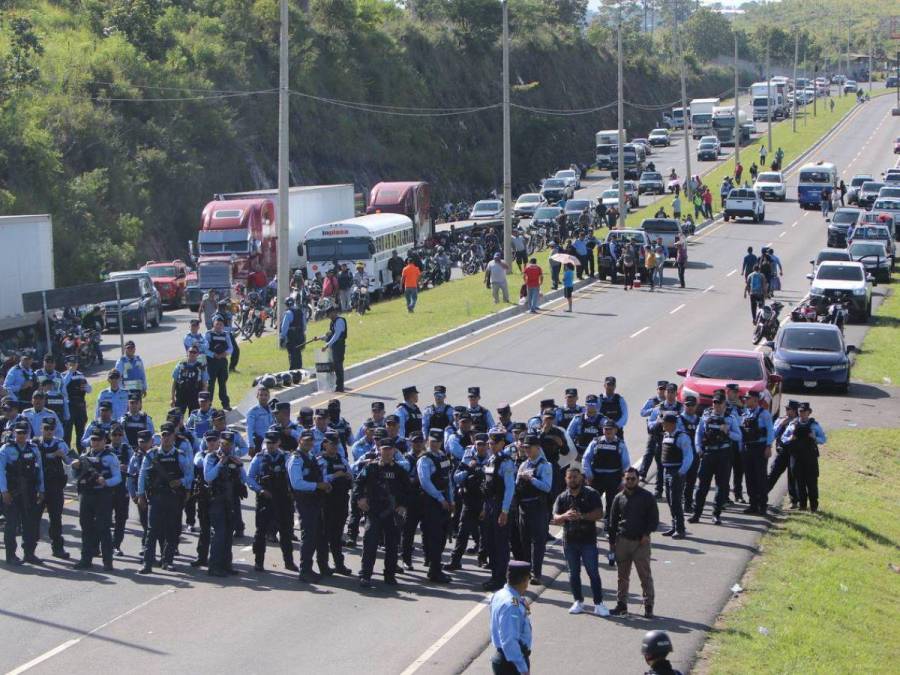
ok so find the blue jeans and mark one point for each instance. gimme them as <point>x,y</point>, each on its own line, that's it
<point>576,556</point>
<point>411,295</point>
<point>658,275</point>
<point>533,294</point>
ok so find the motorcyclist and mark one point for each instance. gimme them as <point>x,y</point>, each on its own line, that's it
<point>93,320</point>
<point>442,260</point>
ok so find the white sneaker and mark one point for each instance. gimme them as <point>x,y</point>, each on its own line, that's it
<point>600,610</point>
<point>577,608</point>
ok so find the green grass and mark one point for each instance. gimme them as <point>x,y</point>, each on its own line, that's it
<point>388,326</point>
<point>809,130</point>
<point>822,586</point>
<point>880,357</point>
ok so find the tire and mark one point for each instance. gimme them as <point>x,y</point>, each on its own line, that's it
<point>757,334</point>
<point>843,387</point>
<point>158,318</point>
<point>144,325</point>
<point>726,216</point>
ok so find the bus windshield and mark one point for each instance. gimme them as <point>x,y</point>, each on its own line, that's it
<point>350,248</point>
<point>814,176</point>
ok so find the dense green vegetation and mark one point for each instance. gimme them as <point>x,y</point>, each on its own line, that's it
<point>122,117</point>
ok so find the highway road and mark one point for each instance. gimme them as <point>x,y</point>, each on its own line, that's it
<point>59,621</point>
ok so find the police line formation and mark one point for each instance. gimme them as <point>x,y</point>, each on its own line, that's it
<point>454,472</point>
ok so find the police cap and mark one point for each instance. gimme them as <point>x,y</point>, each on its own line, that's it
<point>116,429</point>
<point>369,424</point>
<point>504,409</point>
<point>610,380</point>
<point>386,443</point>
<point>690,399</point>
<point>195,322</point>
<point>464,415</point>
<point>377,405</point>
<point>481,438</point>
<point>96,434</point>
<point>497,434</point>
<point>591,399</point>
<point>670,417</point>
<point>416,437</point>
<point>392,419</point>
<point>671,387</point>
<point>532,439</point>
<point>37,393</point>
<point>272,437</point>
<point>306,434</point>
<point>459,409</point>
<point>380,432</point>
<point>409,390</point>
<point>227,436</point>
<point>105,405</point>
<point>804,405</point>
<point>517,571</point>
<point>175,414</point>
<point>718,398</point>
<point>113,375</point>
<point>549,412</point>
<point>331,436</point>
<point>203,396</point>
<point>305,413</point>
<point>661,384</point>
<point>572,391</point>
<point>547,403</point>
<point>71,358</point>
<point>144,435</point>
<point>320,412</point>
<point>49,423</point>
<point>212,434</point>
<point>792,405</point>
<point>718,391</point>
<point>275,427</point>
<point>283,406</point>
<point>440,390</point>
<point>334,404</point>
<point>167,428</point>
<point>135,395</point>
<point>609,424</point>
<point>474,391</point>
<point>519,426</point>
<point>753,393</point>
<point>732,386</point>
<point>218,415</point>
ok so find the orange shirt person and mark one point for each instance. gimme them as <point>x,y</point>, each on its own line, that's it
<point>409,279</point>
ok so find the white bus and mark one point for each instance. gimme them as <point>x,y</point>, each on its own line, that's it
<point>367,239</point>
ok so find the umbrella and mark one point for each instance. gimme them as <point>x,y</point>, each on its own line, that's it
<point>564,258</point>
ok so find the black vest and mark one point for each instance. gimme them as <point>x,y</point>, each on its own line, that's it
<point>606,456</point>
<point>227,483</point>
<point>440,478</point>
<point>54,467</point>
<point>219,343</point>
<point>121,453</point>
<point>163,469</point>
<point>525,489</point>
<point>671,451</point>
<point>611,407</point>
<point>188,382</point>
<point>494,486</point>
<point>92,466</point>
<point>590,429</point>
<point>750,429</point>
<point>440,418</point>
<point>133,424</point>
<point>413,418</point>
<point>690,428</point>
<point>714,439</point>
<point>803,442</point>
<point>22,475</point>
<point>339,486</point>
<point>657,431</point>
<point>312,472</point>
<point>341,341</point>
<point>288,442</point>
<point>273,473</point>
<point>569,414</point>
<point>548,445</point>
<point>479,418</point>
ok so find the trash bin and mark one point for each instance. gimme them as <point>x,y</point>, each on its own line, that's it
<point>325,377</point>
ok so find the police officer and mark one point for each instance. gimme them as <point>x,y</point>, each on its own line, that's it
<point>131,366</point>
<point>200,497</point>
<point>76,386</point>
<point>223,310</point>
<point>103,423</point>
<point>377,419</point>
<point>669,403</point>
<point>96,473</point>
<point>439,414</point>
<point>366,450</point>
<point>194,338</point>
<point>654,401</point>
<point>688,421</point>
<point>144,445</point>
<point>676,455</point>
<point>715,435</point>
<point>482,420</point>
<point>339,425</point>
<point>21,381</point>
<point>166,473</point>
<point>782,461</point>
<point>571,410</point>
<point>381,490</point>
<point>435,477</point>
<point>655,646</point>
<point>409,413</point>
<point>290,431</point>
<point>534,423</point>
<point>510,623</point>
<point>37,413</point>
<point>189,378</point>
<point>114,394</point>
<point>308,486</point>
<point>135,419</point>
<point>219,349</point>
<point>584,428</point>
<point>505,422</point>
<point>462,437</point>
<point>22,489</point>
<point>735,407</point>
<point>534,482</point>
<point>758,435</point>
<point>416,499</point>
<point>336,340</point>
<point>802,439</point>
<point>123,452</point>
<point>293,334</point>
<point>258,420</point>
<point>57,398</point>
<point>603,464</point>
<point>200,419</point>
<point>274,506</point>
<point>613,406</point>
<point>469,476</point>
<point>554,443</point>
<point>336,472</point>
<point>499,490</point>
<point>224,474</point>
<point>55,455</point>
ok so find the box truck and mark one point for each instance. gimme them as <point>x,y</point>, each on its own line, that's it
<point>28,266</point>
<point>604,141</point>
<point>701,116</point>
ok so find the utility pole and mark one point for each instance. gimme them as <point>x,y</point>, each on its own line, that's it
<point>620,89</point>
<point>507,168</point>
<point>284,227</point>
<point>796,55</point>
<point>737,107</point>
<point>847,73</point>
<point>768,96</point>
<point>687,147</point>
<point>870,63</point>
<point>815,86</point>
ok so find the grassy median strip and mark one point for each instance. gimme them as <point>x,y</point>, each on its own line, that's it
<point>809,130</point>
<point>879,360</point>
<point>824,595</point>
<point>389,326</point>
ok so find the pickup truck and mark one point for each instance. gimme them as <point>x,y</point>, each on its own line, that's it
<point>665,228</point>
<point>744,203</point>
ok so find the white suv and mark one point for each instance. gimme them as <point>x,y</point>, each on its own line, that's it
<point>745,203</point>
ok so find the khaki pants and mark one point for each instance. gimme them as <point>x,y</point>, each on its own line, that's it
<point>496,288</point>
<point>630,551</point>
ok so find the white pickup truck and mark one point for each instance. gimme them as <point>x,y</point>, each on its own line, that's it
<point>744,202</point>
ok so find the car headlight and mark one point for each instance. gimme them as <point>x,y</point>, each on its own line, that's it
<point>686,391</point>
<point>781,364</point>
<point>838,367</point>
<point>859,291</point>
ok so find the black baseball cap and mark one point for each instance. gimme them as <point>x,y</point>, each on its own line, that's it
<point>474,391</point>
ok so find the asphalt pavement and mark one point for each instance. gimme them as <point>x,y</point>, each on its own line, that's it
<point>59,620</point>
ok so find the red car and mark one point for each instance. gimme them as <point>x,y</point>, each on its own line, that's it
<point>170,279</point>
<point>750,370</point>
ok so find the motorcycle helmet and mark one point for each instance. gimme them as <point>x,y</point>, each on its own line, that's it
<point>268,381</point>
<point>286,379</point>
<point>273,404</point>
<point>296,376</point>
<point>325,305</point>
<point>289,303</point>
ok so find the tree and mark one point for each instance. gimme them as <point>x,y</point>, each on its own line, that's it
<point>707,34</point>
<point>19,68</point>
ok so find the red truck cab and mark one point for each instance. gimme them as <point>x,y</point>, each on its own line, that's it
<point>241,231</point>
<point>409,198</point>
<point>170,280</point>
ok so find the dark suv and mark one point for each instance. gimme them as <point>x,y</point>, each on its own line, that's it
<point>844,218</point>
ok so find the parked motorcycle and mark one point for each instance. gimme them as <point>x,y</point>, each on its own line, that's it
<point>767,322</point>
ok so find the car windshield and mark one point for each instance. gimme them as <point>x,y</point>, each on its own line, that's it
<point>553,183</point>
<point>565,173</point>
<point>841,217</point>
<point>659,132</point>
<point>577,205</point>
<point>720,367</point>
<point>805,340</point>
<point>861,248</point>
<point>889,192</point>
<point>871,233</point>
<point>486,207</point>
<point>529,199</point>
<point>627,235</point>
<point>547,212</point>
<point>839,273</point>
<point>741,194</point>
<point>871,186</point>
<point>707,144</point>
<point>156,272</point>
<point>659,225</point>
<point>649,175</point>
<point>859,180</point>
<point>610,194</point>
<point>769,178</point>
<point>825,256</point>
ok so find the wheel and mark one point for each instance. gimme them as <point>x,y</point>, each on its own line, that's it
<point>726,216</point>
<point>158,318</point>
<point>757,334</point>
<point>144,325</point>
<point>843,387</point>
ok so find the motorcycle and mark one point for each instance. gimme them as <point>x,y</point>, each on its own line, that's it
<point>767,322</point>
<point>252,316</point>
<point>359,299</point>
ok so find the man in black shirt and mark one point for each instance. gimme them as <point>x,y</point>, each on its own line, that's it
<point>578,509</point>
<point>632,518</point>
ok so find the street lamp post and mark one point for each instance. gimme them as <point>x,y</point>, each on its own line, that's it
<point>507,162</point>
<point>620,88</point>
<point>283,262</point>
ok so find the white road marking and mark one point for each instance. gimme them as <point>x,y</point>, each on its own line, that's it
<point>526,397</point>
<point>794,225</point>
<point>707,290</point>
<point>446,637</point>
<point>74,641</point>
<point>590,361</point>
<point>682,306</point>
<point>769,244</point>
<point>732,272</point>
<point>634,335</point>
<point>781,235</point>
<point>246,549</point>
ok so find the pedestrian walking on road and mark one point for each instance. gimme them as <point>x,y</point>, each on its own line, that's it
<point>409,279</point>
<point>676,208</point>
<point>650,265</point>
<point>555,267</point>
<point>578,509</point>
<point>520,248</point>
<point>738,172</point>
<point>569,284</point>
<point>633,518</point>
<point>534,277</point>
<point>495,278</point>
<point>842,191</point>
<point>209,305</point>
<point>336,340</point>
<point>628,267</point>
<point>681,258</point>
<point>757,288</point>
